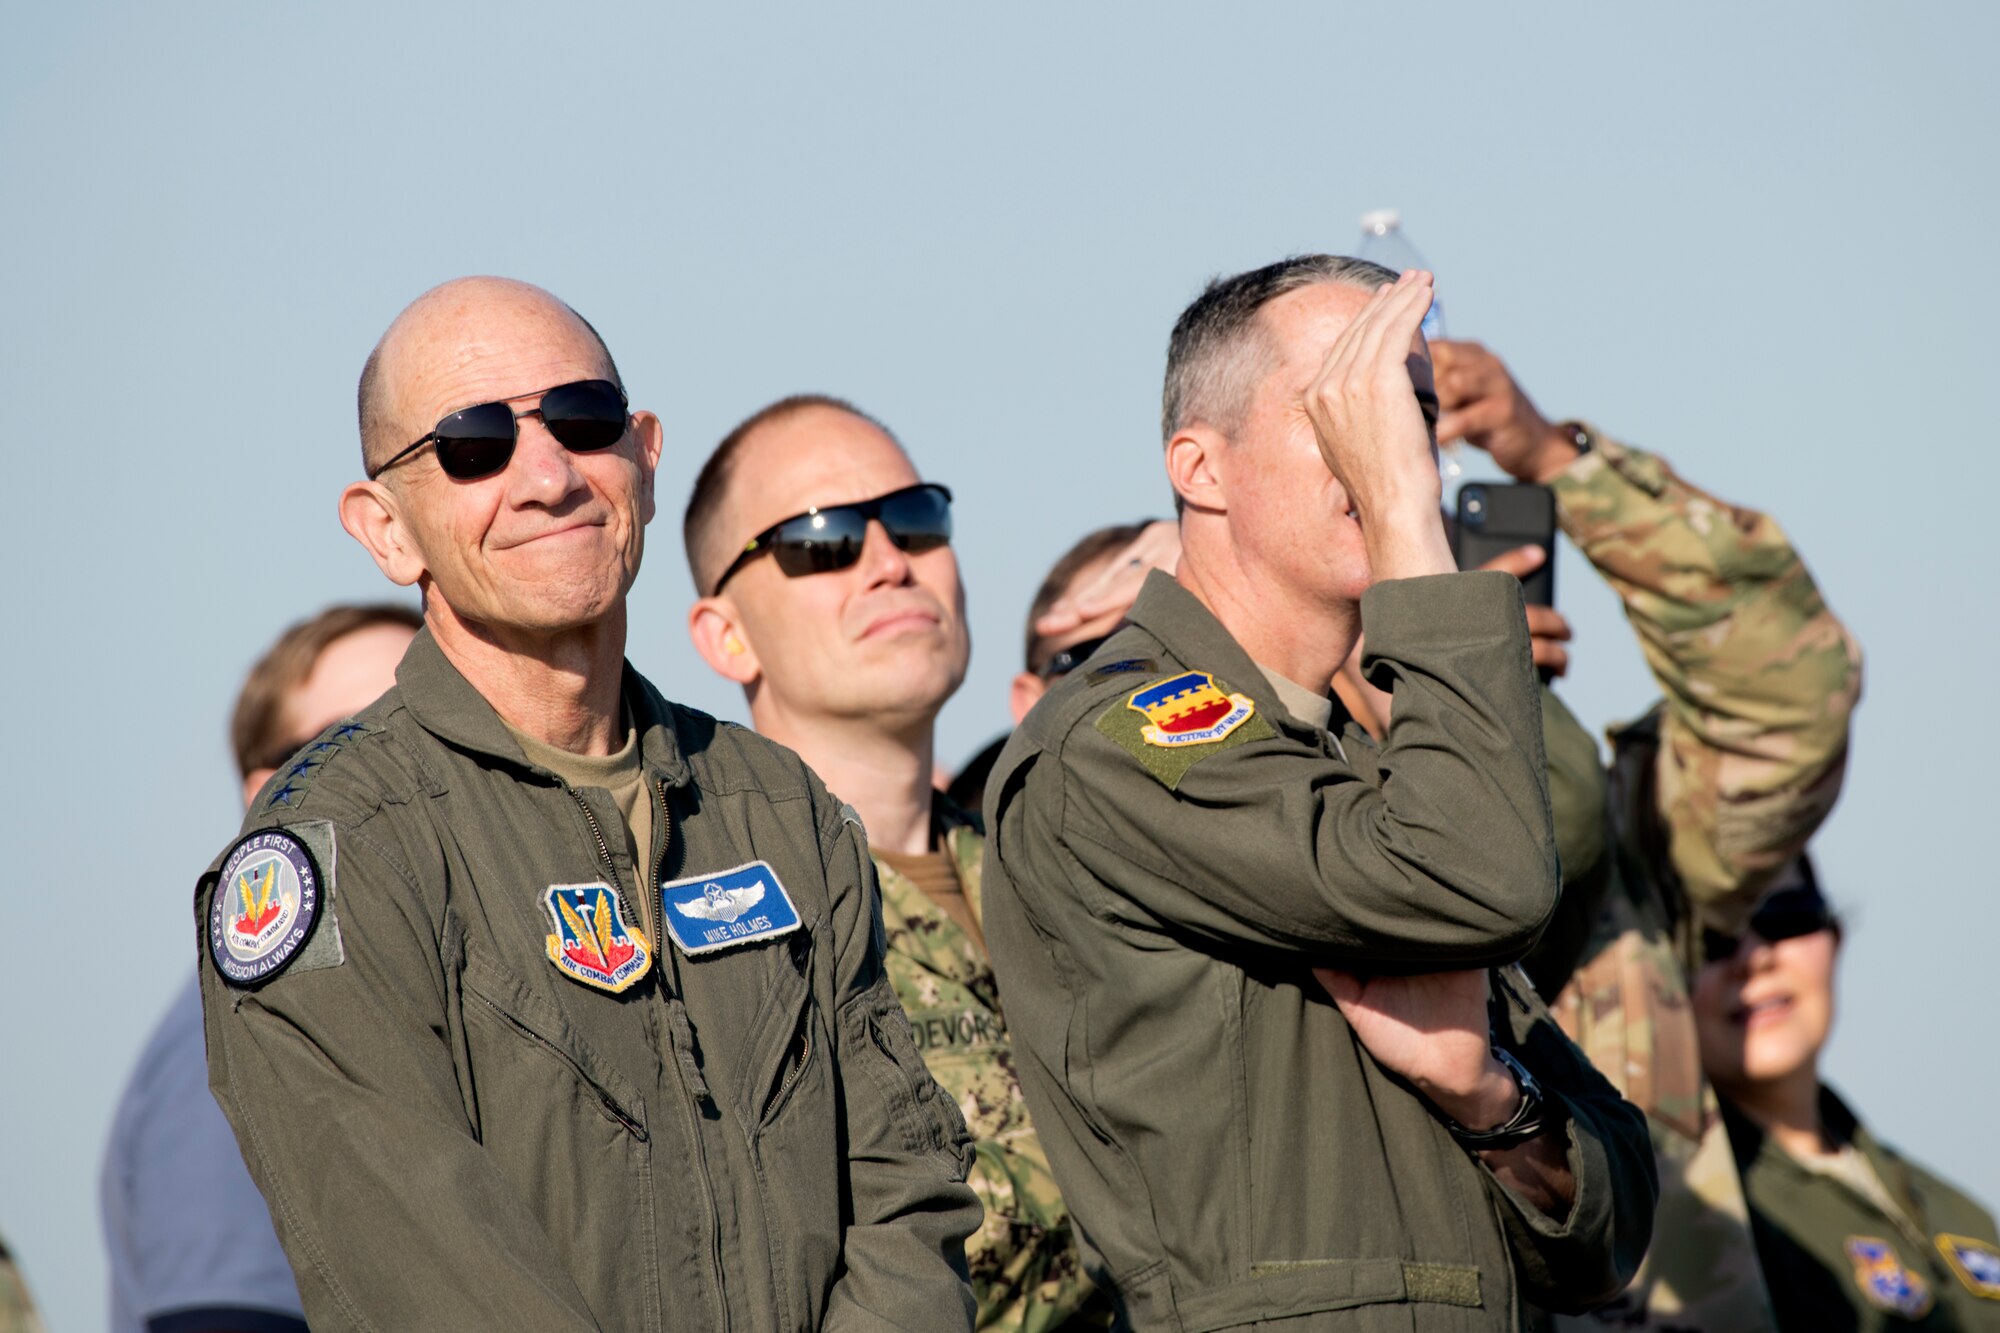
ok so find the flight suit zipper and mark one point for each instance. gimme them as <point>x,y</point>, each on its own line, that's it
<point>676,1020</point>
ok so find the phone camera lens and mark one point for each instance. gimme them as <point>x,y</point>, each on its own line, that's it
<point>1474,505</point>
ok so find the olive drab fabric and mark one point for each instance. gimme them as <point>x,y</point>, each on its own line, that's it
<point>17,1311</point>
<point>1231,1155</point>
<point>1027,1274</point>
<point>458,1125</point>
<point>1708,796</point>
<point>1897,1249</point>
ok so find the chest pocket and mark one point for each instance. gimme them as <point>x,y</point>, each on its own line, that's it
<point>569,1131</point>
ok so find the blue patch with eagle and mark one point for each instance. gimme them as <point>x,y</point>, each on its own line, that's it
<point>728,908</point>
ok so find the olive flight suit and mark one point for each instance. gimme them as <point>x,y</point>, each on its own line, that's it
<point>507,1079</point>
<point>1169,853</point>
<point>1707,798</point>
<point>1027,1275</point>
<point>1880,1246</point>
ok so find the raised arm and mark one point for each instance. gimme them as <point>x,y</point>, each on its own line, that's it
<point>1760,678</point>
<point>1446,860</point>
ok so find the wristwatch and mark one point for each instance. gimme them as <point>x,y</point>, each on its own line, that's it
<point>1579,435</point>
<point>1524,1124</point>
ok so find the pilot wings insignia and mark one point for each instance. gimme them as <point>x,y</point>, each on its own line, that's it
<point>719,904</point>
<point>722,909</point>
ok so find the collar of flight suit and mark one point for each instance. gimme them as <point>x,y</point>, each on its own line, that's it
<point>447,705</point>
<point>1198,641</point>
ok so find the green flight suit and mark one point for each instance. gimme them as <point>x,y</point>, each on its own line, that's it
<point>1232,1156</point>
<point>453,1132</point>
<point>1027,1275</point>
<point>1844,1259</point>
<point>17,1311</point>
<point>1707,797</point>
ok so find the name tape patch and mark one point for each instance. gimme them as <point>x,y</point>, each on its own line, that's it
<point>727,908</point>
<point>1976,1262</point>
<point>264,907</point>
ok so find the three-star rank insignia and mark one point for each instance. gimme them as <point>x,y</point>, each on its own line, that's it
<point>727,908</point>
<point>592,943</point>
<point>1976,1262</point>
<point>1172,723</point>
<point>1884,1278</point>
<point>263,907</point>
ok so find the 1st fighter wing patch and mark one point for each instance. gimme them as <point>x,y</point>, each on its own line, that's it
<point>730,907</point>
<point>1172,724</point>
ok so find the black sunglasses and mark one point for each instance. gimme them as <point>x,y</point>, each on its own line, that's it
<point>585,416</point>
<point>1070,658</point>
<point>1786,917</point>
<point>917,518</point>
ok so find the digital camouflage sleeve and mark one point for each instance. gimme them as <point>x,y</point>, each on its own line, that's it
<point>1710,793</point>
<point>1025,1267</point>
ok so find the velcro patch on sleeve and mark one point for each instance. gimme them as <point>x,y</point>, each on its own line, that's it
<point>272,906</point>
<point>1173,724</point>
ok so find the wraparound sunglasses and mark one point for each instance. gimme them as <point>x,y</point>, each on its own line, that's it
<point>1785,917</point>
<point>584,416</point>
<point>917,518</point>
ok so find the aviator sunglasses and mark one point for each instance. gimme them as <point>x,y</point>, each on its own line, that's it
<point>819,541</point>
<point>474,442</point>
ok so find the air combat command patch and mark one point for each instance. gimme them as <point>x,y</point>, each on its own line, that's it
<point>1976,1262</point>
<point>592,943</point>
<point>728,908</point>
<point>264,907</point>
<point>1172,723</point>
<point>1886,1280</point>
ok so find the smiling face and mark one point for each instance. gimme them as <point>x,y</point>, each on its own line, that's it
<point>1764,1014</point>
<point>1287,513</point>
<point>550,543</point>
<point>883,639</point>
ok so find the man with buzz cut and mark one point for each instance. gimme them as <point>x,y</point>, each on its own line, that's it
<point>1260,971</point>
<point>537,1001</point>
<point>829,591</point>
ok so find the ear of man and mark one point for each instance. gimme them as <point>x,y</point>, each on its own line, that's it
<point>1194,468</point>
<point>372,513</point>
<point>719,636</point>
<point>1026,691</point>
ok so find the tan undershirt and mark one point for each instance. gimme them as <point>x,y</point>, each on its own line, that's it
<point>936,873</point>
<point>623,775</point>
<point>1314,708</point>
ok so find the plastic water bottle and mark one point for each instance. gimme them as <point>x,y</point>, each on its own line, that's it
<point>1383,242</point>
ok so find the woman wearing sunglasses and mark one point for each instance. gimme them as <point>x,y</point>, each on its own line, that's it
<point>1850,1234</point>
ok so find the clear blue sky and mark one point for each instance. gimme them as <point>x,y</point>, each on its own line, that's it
<point>1754,238</point>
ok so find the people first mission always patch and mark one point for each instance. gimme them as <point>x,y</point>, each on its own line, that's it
<point>264,907</point>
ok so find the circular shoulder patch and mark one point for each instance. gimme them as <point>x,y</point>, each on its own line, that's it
<point>264,907</point>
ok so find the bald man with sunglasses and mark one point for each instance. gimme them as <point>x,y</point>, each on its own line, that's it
<point>534,999</point>
<point>831,594</point>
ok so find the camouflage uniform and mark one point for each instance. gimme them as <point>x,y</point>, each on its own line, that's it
<point>1025,1268</point>
<point>1708,796</point>
<point>17,1311</point>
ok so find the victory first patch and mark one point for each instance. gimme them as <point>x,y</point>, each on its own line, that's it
<point>264,907</point>
<point>728,908</point>
<point>1976,1262</point>
<point>1171,724</point>
<point>592,943</point>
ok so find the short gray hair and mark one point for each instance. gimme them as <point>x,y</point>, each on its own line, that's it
<point>1219,351</point>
